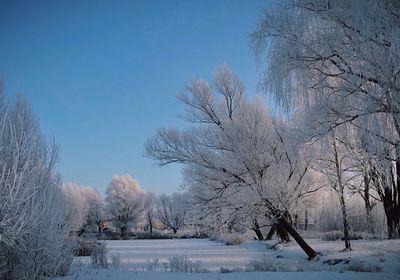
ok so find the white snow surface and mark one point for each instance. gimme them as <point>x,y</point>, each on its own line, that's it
<point>378,259</point>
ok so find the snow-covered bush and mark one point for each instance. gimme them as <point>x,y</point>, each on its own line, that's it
<point>154,266</point>
<point>98,257</point>
<point>115,261</point>
<point>262,264</point>
<point>331,235</point>
<point>34,239</point>
<point>229,238</point>
<point>268,264</point>
<point>84,247</point>
<point>183,264</point>
<point>233,238</point>
<point>359,266</point>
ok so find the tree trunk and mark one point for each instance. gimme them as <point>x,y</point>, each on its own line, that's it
<point>346,226</point>
<point>393,221</point>
<point>282,233</point>
<point>296,236</point>
<point>305,218</point>
<point>98,229</point>
<point>271,231</point>
<point>340,190</point>
<point>389,193</point>
<point>123,231</point>
<point>367,202</point>
<point>296,221</point>
<point>257,230</point>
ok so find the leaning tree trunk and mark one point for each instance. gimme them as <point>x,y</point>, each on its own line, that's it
<point>296,236</point>
<point>280,231</point>
<point>289,229</point>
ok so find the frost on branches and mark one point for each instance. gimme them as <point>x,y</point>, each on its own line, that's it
<point>34,240</point>
<point>234,153</point>
<point>340,60</point>
<point>124,202</point>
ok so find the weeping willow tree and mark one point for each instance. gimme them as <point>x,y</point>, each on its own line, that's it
<point>340,60</point>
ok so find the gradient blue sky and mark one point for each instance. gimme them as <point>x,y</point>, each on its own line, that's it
<point>102,76</point>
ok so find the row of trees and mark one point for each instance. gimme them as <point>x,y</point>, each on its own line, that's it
<point>125,206</point>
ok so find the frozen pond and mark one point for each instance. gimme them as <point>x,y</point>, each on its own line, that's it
<point>212,255</point>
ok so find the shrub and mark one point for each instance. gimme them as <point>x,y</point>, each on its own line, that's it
<point>154,235</point>
<point>361,267</point>
<point>262,264</point>
<point>153,266</point>
<point>98,257</point>
<point>183,264</point>
<point>84,248</point>
<point>331,235</point>
<point>233,238</point>
<point>266,264</point>
<point>115,261</point>
<point>230,270</point>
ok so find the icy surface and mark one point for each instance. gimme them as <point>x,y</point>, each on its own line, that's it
<point>382,257</point>
<point>212,255</point>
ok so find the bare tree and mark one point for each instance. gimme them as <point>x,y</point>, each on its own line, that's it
<point>171,212</point>
<point>336,164</point>
<point>150,205</point>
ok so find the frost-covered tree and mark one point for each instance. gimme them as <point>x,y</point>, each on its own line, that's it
<point>76,207</point>
<point>124,202</point>
<point>95,208</point>
<point>34,239</point>
<point>171,211</point>
<point>150,206</point>
<point>84,207</point>
<point>235,149</point>
<point>341,60</point>
<point>337,165</point>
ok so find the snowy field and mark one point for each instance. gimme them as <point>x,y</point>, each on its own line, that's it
<point>376,260</point>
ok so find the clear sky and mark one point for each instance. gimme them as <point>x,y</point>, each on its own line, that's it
<point>102,76</point>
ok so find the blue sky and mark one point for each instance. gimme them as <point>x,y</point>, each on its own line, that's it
<point>102,76</point>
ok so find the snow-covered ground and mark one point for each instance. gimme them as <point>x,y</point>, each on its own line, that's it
<point>380,260</point>
<point>212,255</point>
